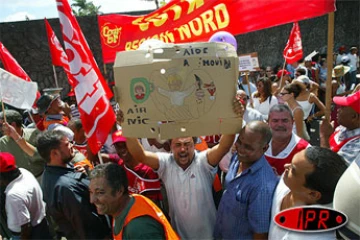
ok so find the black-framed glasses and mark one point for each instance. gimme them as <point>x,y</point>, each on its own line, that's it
<point>282,94</point>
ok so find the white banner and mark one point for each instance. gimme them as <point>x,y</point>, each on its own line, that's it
<point>16,91</point>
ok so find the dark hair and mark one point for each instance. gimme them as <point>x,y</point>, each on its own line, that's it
<point>267,87</point>
<point>12,116</point>
<point>280,108</point>
<point>262,128</point>
<point>301,71</point>
<point>114,174</point>
<point>293,88</point>
<point>322,61</point>
<point>48,141</point>
<point>7,177</point>
<point>328,168</point>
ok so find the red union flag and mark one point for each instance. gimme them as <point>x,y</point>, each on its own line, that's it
<point>183,21</point>
<point>293,50</point>
<point>11,65</point>
<point>58,55</point>
<point>91,91</point>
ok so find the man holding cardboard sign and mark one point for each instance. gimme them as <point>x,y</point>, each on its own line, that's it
<point>188,177</point>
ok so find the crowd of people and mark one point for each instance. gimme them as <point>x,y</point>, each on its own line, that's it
<point>229,186</point>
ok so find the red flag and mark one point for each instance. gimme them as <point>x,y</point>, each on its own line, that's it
<point>58,55</point>
<point>11,65</point>
<point>91,91</point>
<point>293,50</point>
<point>182,21</point>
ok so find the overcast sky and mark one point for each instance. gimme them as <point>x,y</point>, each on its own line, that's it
<point>16,10</point>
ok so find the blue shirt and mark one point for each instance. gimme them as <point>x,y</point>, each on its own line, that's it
<point>245,207</point>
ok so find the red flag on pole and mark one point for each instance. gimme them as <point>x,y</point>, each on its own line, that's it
<point>293,50</point>
<point>58,55</point>
<point>11,65</point>
<point>91,91</point>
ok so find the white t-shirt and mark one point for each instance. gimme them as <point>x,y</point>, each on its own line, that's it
<point>192,208</point>
<point>24,201</point>
<point>278,233</point>
<point>265,106</point>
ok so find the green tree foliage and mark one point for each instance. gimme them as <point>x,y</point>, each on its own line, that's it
<point>84,8</point>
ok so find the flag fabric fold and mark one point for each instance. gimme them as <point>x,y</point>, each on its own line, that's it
<point>91,91</point>
<point>58,55</point>
<point>293,50</point>
<point>182,21</point>
<point>17,92</point>
<point>11,65</point>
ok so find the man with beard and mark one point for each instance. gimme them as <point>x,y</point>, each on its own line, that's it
<point>345,140</point>
<point>244,210</point>
<point>310,179</point>
<point>284,143</point>
<point>66,192</point>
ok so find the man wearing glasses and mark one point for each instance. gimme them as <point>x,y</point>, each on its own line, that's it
<point>66,191</point>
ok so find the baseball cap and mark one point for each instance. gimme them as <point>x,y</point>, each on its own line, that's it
<point>7,162</point>
<point>352,101</point>
<point>118,137</point>
<point>281,72</point>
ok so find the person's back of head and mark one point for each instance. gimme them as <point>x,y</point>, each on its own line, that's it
<point>8,169</point>
<point>12,116</point>
<point>328,168</point>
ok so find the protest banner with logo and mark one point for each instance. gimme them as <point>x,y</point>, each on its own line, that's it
<point>91,91</point>
<point>186,21</point>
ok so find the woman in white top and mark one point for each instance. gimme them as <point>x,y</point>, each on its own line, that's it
<point>288,94</point>
<point>263,100</point>
<point>306,99</point>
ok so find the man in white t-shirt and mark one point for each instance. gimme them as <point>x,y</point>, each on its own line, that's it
<point>188,177</point>
<point>310,179</point>
<point>24,205</point>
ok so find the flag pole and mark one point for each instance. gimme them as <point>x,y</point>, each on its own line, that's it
<point>2,103</point>
<point>282,74</point>
<point>3,108</point>
<point>330,59</point>
<point>249,89</point>
<point>55,77</point>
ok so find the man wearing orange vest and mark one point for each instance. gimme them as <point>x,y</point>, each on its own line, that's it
<point>134,216</point>
<point>345,140</point>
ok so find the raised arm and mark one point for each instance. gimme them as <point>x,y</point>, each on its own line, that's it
<point>138,153</point>
<point>215,154</point>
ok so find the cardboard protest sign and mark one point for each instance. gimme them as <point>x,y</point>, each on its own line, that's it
<point>249,62</point>
<point>17,92</point>
<point>178,90</point>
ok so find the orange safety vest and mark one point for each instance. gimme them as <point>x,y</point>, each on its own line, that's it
<point>145,207</point>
